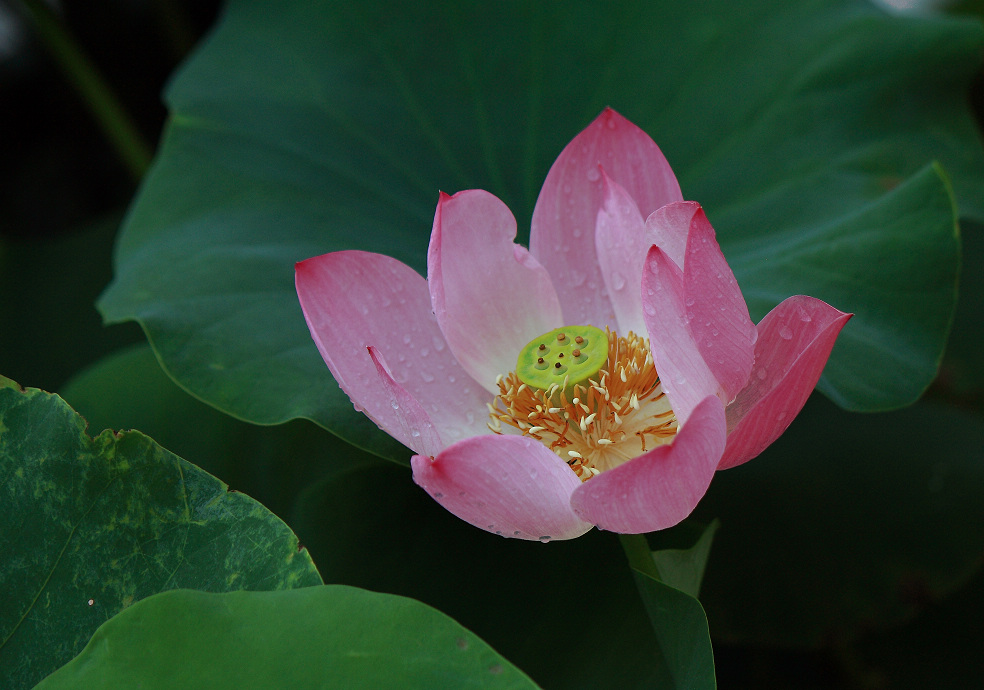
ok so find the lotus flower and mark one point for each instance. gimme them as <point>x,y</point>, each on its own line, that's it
<point>599,378</point>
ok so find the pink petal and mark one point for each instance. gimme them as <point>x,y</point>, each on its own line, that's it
<point>795,340</point>
<point>669,226</point>
<point>701,336</point>
<point>490,296</point>
<point>685,376</point>
<point>416,423</point>
<point>562,234</point>
<point>716,310</point>
<point>659,489</point>
<point>352,300</point>
<point>621,243</point>
<point>508,485</point>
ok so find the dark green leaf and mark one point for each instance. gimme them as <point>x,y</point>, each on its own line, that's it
<point>686,658</point>
<point>847,523</point>
<point>683,569</point>
<point>302,128</point>
<point>91,525</point>
<point>315,637</point>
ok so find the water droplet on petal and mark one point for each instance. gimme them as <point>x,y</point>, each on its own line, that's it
<point>544,539</point>
<point>593,174</point>
<point>406,339</point>
<point>576,232</point>
<point>762,373</point>
<point>395,405</point>
<point>781,416</point>
<point>451,378</point>
<point>690,302</point>
<point>618,281</point>
<point>438,344</point>
<point>427,376</point>
<point>567,189</point>
<point>805,317</point>
<point>424,351</point>
<point>785,333</point>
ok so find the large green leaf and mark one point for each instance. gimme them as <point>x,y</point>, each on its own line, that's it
<point>846,523</point>
<point>300,128</point>
<point>315,637</point>
<point>91,525</point>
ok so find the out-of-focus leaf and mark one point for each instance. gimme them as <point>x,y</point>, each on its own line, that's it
<point>315,637</point>
<point>847,523</point>
<point>299,128</point>
<point>91,525</point>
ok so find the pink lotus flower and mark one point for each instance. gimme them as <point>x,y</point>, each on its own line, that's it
<point>468,368</point>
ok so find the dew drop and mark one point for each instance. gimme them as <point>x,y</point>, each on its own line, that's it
<point>395,405</point>
<point>470,417</point>
<point>576,232</point>
<point>438,344</point>
<point>762,373</point>
<point>406,339</point>
<point>426,376</point>
<point>805,317</point>
<point>451,378</point>
<point>424,351</point>
<point>577,279</point>
<point>649,309</point>
<point>544,539</point>
<point>785,333</point>
<point>516,533</point>
<point>681,381</point>
<point>567,189</point>
<point>611,123</point>
<point>781,416</point>
<point>593,174</point>
<point>714,332</point>
<point>415,433</point>
<point>618,281</point>
<point>364,309</point>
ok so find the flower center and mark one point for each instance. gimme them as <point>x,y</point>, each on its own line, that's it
<point>592,397</point>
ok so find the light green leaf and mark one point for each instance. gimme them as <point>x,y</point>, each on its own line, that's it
<point>91,525</point>
<point>300,128</point>
<point>315,637</point>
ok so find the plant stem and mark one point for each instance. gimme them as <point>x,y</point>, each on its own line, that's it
<point>79,70</point>
<point>640,556</point>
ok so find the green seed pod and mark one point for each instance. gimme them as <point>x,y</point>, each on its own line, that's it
<point>574,353</point>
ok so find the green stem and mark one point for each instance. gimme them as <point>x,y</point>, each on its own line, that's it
<point>640,556</point>
<point>105,107</point>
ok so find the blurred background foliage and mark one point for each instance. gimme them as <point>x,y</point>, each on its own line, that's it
<point>886,593</point>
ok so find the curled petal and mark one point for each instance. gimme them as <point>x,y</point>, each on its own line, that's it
<point>491,297</point>
<point>701,336</point>
<point>659,489</point>
<point>418,431</point>
<point>795,340</point>
<point>669,226</point>
<point>562,234</point>
<point>621,242</point>
<point>508,485</point>
<point>352,300</point>
<point>716,311</point>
